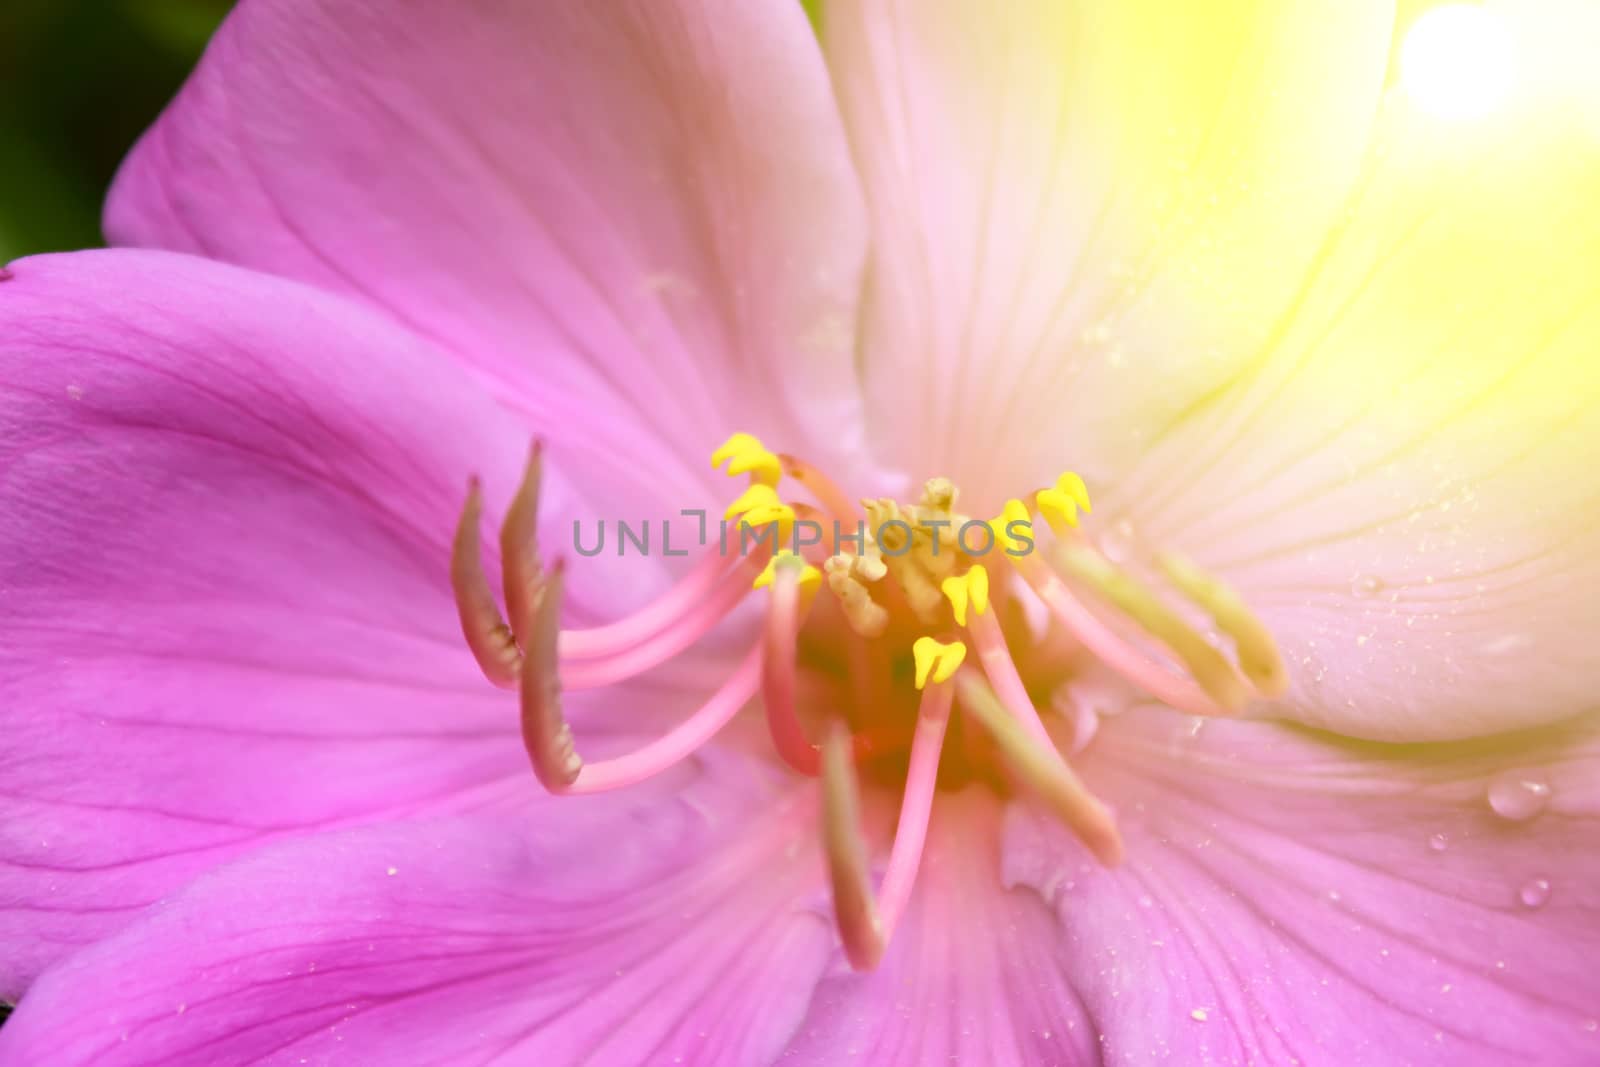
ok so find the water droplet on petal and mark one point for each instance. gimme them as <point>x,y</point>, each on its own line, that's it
<point>1365,586</point>
<point>1519,795</point>
<point>1534,893</point>
<point>1439,842</point>
<point>1591,1025</point>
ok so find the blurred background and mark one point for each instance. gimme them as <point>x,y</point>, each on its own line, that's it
<point>79,81</point>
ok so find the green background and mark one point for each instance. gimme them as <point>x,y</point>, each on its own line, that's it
<point>79,81</point>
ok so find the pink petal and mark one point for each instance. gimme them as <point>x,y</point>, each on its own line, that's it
<point>644,211</point>
<point>1290,895</point>
<point>975,973</point>
<point>1086,214</point>
<point>227,507</point>
<point>1405,486</point>
<point>515,939</point>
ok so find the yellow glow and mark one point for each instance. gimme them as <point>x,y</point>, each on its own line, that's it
<point>1456,62</point>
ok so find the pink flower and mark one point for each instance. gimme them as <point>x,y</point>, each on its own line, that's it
<point>262,807</point>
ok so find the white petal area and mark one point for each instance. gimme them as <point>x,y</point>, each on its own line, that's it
<point>1086,214</point>
<point>1406,485</point>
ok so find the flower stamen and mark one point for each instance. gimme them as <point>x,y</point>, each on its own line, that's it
<point>745,454</point>
<point>1039,768</point>
<point>548,737</point>
<point>1127,659</point>
<point>488,637</point>
<point>694,623</point>
<point>589,658</point>
<point>681,741</point>
<point>784,616</point>
<point>545,732</point>
<point>827,493</point>
<point>520,570</point>
<point>1259,658</point>
<point>866,923</point>
<point>927,573</point>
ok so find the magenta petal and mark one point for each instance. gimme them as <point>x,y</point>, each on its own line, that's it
<point>225,510</point>
<point>1294,897</point>
<point>975,973</point>
<point>625,931</point>
<point>647,211</point>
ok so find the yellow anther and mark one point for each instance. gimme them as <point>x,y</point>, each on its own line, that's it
<point>1072,485</point>
<point>1013,539</point>
<point>1060,503</point>
<point>1059,510</point>
<point>754,499</point>
<point>738,444</point>
<point>971,587</point>
<point>936,658</point>
<point>745,454</point>
<point>810,577</point>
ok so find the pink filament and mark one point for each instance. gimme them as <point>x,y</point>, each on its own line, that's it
<point>680,742</point>
<point>778,678</point>
<point>602,641</point>
<point>778,688</point>
<point>1114,651</point>
<point>1002,673</point>
<point>825,489</point>
<point>916,806</point>
<point>690,625</point>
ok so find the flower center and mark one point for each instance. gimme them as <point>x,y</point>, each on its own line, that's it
<point>890,612</point>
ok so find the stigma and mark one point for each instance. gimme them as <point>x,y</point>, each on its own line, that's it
<point>904,603</point>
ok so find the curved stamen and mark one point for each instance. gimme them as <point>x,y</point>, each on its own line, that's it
<point>597,642</point>
<point>1041,769</point>
<point>785,612</point>
<point>680,742</point>
<point>995,656</point>
<point>732,588</point>
<point>778,673</point>
<point>1207,666</point>
<point>520,570</point>
<point>545,733</point>
<point>1259,658</point>
<point>489,638</point>
<point>866,924</point>
<point>828,494</point>
<point>597,656</point>
<point>1112,649</point>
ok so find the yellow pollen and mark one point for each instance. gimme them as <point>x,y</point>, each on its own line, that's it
<point>758,506</point>
<point>810,577</point>
<point>848,576</point>
<point>1013,521</point>
<point>745,454</point>
<point>971,587</point>
<point>912,549</point>
<point>1060,503</point>
<point>937,658</point>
